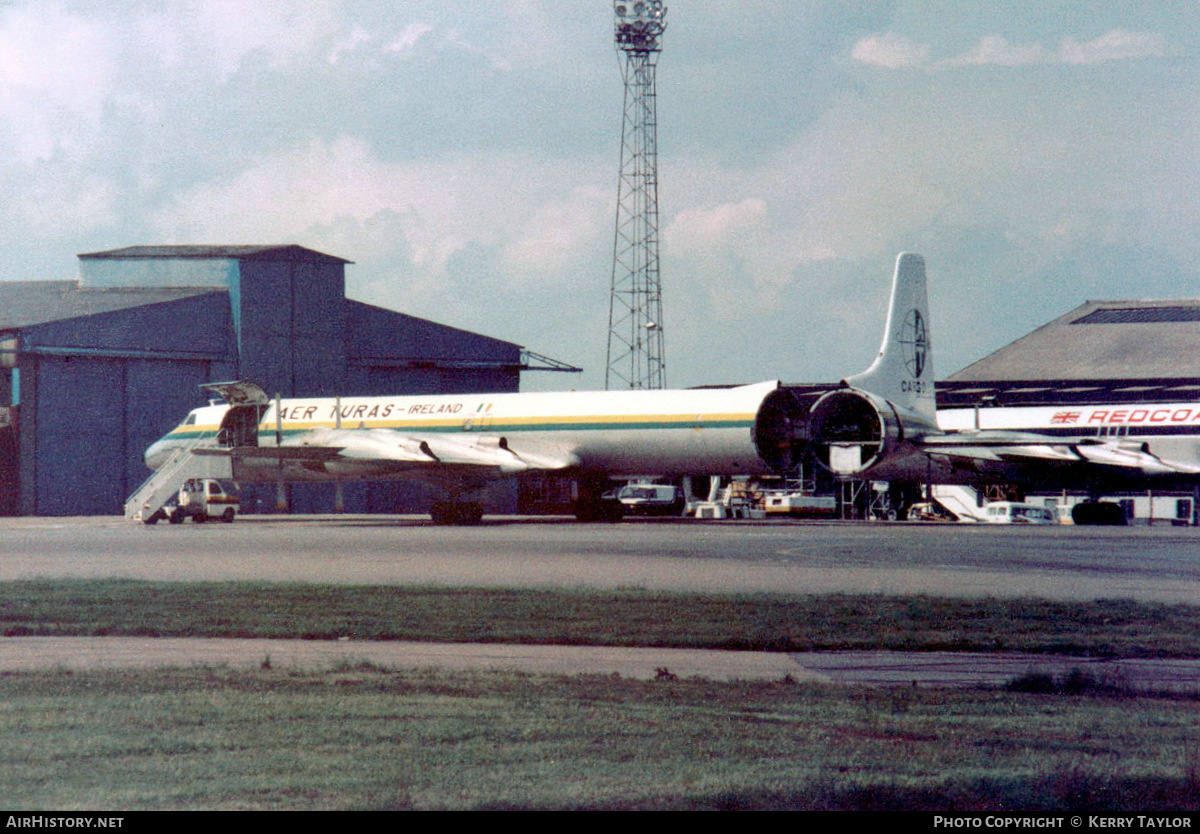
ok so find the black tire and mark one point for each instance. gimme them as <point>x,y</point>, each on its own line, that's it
<point>469,513</point>
<point>228,515</point>
<point>614,511</point>
<point>466,513</point>
<point>1105,513</point>
<point>176,516</point>
<point>587,512</point>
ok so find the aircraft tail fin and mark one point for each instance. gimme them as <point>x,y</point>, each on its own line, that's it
<point>902,373</point>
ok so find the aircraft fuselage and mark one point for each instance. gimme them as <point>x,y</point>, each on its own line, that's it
<point>628,433</point>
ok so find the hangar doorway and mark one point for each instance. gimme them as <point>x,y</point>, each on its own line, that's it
<point>10,463</point>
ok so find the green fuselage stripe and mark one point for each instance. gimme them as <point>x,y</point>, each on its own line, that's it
<point>488,427</point>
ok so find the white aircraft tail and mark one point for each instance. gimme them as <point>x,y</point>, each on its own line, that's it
<point>902,373</point>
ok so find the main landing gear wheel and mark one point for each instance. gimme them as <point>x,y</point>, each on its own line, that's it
<point>592,511</point>
<point>1098,512</point>
<point>456,512</point>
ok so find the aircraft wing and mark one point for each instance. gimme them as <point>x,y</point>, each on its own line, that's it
<point>416,451</point>
<point>1024,448</point>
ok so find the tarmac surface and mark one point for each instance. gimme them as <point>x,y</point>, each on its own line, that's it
<point>1160,564</point>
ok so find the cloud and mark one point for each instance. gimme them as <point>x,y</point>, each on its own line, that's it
<point>996,51</point>
<point>316,184</point>
<point>463,155</point>
<point>417,230</point>
<point>893,51</point>
<point>357,37</point>
<point>65,67</point>
<point>56,72</point>
<point>555,237</point>
<point>224,33</point>
<point>408,39</point>
<point>1117,45</point>
<point>705,229</point>
<point>889,50</point>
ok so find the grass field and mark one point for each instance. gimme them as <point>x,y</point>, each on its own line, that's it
<point>366,738</point>
<point>371,738</point>
<point>764,622</point>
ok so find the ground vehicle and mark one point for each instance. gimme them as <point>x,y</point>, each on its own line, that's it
<point>201,499</point>
<point>650,499</point>
<point>930,511</point>
<point>641,499</point>
<point>1014,512</point>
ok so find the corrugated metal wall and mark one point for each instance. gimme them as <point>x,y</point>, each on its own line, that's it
<point>97,390</point>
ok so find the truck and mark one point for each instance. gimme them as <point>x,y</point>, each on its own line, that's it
<point>201,499</point>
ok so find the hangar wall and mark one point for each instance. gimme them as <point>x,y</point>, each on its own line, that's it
<point>96,370</point>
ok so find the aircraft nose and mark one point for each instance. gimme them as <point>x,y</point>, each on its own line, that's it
<point>154,455</point>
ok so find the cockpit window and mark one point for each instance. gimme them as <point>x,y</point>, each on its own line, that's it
<point>191,420</point>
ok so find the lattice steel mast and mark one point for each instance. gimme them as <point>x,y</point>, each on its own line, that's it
<point>635,322</point>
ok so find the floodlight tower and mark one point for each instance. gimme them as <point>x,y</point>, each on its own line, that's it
<point>635,322</point>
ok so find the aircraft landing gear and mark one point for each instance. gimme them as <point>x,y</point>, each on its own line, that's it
<point>456,512</point>
<point>1098,512</point>
<point>597,501</point>
<point>600,509</point>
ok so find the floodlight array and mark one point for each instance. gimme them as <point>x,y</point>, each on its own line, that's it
<point>639,25</point>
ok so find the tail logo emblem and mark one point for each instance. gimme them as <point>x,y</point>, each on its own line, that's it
<point>915,343</point>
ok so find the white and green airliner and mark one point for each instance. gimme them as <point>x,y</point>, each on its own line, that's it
<point>882,424</point>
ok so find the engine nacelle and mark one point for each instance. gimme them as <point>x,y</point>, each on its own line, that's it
<point>852,431</point>
<point>781,430</point>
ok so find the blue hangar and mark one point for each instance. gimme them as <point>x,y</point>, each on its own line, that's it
<point>95,370</point>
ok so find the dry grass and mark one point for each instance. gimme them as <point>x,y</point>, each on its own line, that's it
<point>366,738</point>
<point>1106,628</point>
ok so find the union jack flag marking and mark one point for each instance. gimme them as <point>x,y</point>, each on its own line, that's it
<point>1064,417</point>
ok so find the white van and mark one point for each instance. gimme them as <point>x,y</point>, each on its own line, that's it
<point>201,499</point>
<point>1014,512</point>
<point>647,499</point>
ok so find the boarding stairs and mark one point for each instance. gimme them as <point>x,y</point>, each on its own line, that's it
<point>962,501</point>
<point>185,463</point>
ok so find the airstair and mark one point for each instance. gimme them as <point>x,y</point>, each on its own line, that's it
<point>963,501</point>
<point>186,463</point>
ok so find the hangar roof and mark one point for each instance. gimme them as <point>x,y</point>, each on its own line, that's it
<point>1102,340</point>
<point>378,336</point>
<point>26,303</point>
<point>262,252</point>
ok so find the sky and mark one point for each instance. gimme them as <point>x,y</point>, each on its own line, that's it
<point>464,155</point>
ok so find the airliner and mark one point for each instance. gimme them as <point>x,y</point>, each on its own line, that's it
<point>882,424</point>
